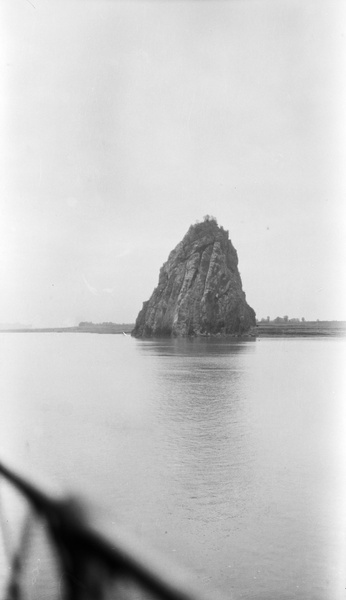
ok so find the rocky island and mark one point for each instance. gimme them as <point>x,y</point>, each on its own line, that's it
<point>199,290</point>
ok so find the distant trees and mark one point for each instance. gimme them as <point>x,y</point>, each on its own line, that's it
<point>284,319</point>
<point>104,324</point>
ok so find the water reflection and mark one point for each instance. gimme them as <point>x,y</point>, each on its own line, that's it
<point>223,453</point>
<point>195,346</point>
<point>201,415</point>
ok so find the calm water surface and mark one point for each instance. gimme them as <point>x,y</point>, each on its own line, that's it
<point>226,456</point>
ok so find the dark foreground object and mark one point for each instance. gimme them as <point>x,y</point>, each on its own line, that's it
<point>199,290</point>
<point>88,565</point>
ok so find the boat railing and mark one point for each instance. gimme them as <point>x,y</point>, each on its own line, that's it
<point>87,563</point>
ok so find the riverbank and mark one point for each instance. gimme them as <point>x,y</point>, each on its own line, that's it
<point>263,329</point>
<point>300,329</point>
<point>109,329</point>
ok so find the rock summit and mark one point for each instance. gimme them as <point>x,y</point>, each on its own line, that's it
<point>199,290</point>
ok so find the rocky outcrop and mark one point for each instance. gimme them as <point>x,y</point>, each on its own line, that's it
<point>199,290</point>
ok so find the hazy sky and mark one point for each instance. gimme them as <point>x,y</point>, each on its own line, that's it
<point>122,123</point>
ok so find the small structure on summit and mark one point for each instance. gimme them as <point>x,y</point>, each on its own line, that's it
<point>199,290</point>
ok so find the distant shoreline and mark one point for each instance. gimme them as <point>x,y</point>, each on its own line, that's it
<point>116,329</point>
<point>300,329</point>
<point>263,329</point>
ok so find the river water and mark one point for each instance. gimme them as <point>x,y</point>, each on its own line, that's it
<point>226,456</point>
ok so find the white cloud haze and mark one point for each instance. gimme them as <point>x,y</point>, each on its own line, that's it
<point>122,123</point>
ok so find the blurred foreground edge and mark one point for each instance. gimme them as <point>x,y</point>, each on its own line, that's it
<point>92,565</point>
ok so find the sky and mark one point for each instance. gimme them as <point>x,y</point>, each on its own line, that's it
<point>123,123</point>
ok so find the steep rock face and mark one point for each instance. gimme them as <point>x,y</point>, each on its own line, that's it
<point>199,290</point>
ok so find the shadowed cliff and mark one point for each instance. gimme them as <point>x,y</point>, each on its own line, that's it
<point>199,290</point>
